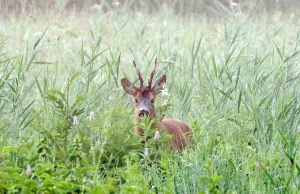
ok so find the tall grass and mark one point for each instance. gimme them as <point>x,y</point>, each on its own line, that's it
<point>234,80</point>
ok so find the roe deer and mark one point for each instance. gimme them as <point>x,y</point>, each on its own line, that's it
<point>144,98</point>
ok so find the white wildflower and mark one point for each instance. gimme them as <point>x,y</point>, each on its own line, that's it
<point>156,136</point>
<point>146,152</point>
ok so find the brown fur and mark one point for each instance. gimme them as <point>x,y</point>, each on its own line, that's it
<point>180,131</point>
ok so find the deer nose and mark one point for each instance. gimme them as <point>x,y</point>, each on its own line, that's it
<point>143,112</point>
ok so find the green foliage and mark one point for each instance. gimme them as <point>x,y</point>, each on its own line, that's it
<point>12,181</point>
<point>64,113</point>
<point>234,80</point>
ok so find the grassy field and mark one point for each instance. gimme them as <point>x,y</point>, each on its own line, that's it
<point>233,78</point>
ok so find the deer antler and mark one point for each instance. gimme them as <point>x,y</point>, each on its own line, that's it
<point>152,74</point>
<point>139,74</point>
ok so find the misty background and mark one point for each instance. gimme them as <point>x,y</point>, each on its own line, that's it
<point>183,7</point>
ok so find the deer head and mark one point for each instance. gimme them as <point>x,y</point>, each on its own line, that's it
<point>144,99</point>
<point>144,96</point>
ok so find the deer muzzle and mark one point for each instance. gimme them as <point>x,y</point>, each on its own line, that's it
<point>143,113</point>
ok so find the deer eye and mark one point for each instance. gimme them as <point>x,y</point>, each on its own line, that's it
<point>152,101</point>
<point>136,100</point>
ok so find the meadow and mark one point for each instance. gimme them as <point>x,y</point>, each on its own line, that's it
<point>234,78</point>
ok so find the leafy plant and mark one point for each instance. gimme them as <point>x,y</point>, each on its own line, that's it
<point>65,112</point>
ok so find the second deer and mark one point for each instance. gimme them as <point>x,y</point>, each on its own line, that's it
<point>144,105</point>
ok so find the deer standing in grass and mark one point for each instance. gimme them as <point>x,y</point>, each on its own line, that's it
<point>144,98</point>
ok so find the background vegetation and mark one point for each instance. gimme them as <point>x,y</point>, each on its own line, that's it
<point>232,75</point>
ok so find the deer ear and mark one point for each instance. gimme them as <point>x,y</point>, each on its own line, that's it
<point>128,86</point>
<point>158,86</point>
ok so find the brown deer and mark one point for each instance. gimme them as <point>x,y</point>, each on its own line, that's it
<point>144,98</point>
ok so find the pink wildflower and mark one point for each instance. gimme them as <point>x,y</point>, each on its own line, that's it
<point>28,170</point>
<point>92,116</point>
<point>75,120</point>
